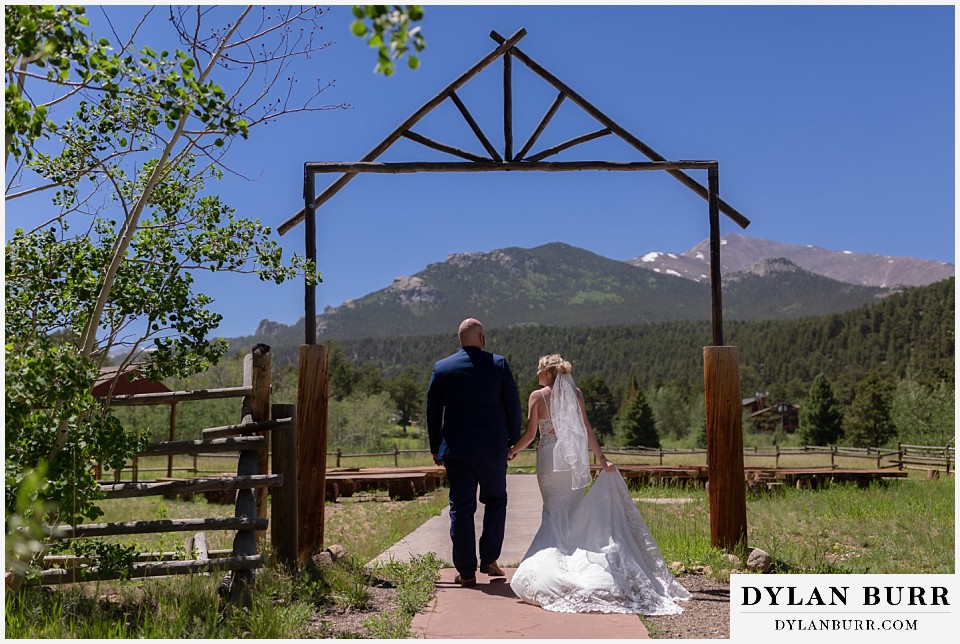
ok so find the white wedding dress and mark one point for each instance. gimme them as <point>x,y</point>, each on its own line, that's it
<point>593,552</point>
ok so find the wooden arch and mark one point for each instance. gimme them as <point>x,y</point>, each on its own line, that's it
<point>510,161</point>
<point>724,449</point>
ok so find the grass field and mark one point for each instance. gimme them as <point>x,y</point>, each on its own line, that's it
<point>899,526</point>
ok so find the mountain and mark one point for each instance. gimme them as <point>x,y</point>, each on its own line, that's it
<point>776,289</point>
<point>561,285</point>
<point>909,332</point>
<point>739,253</point>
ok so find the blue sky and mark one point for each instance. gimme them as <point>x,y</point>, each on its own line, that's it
<point>833,126</point>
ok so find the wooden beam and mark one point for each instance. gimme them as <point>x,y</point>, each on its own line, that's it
<point>311,447</point>
<point>507,107</point>
<point>588,107</point>
<point>540,127</point>
<point>131,490</point>
<point>234,444</point>
<point>173,436</point>
<point>506,166</point>
<point>728,504</point>
<point>130,400</point>
<point>492,151</point>
<point>283,499</point>
<point>162,525</point>
<point>442,147</point>
<point>407,124</point>
<point>310,252</point>
<point>149,569</point>
<point>237,430</point>
<point>583,138</point>
<point>260,367</point>
<point>716,284</point>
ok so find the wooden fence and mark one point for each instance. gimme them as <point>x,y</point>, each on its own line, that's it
<point>919,457</point>
<point>254,477</point>
<point>926,457</point>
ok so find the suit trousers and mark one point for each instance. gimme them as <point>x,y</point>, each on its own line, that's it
<point>464,475</point>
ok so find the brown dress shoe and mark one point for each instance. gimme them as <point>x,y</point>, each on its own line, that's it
<point>470,581</point>
<point>493,569</point>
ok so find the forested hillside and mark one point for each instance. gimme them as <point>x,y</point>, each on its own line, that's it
<point>899,352</point>
<point>912,331</point>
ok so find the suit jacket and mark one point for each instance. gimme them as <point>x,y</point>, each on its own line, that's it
<point>473,408</point>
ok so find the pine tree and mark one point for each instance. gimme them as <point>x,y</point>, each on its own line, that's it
<point>821,420</point>
<point>601,407</point>
<point>638,427</point>
<point>868,423</point>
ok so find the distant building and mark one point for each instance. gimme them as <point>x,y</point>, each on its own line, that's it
<point>124,383</point>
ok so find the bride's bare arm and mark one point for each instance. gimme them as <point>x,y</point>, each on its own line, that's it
<point>533,418</point>
<point>591,437</point>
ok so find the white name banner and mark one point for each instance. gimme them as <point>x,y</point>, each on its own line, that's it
<point>843,608</point>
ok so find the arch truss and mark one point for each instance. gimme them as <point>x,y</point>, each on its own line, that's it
<point>523,159</point>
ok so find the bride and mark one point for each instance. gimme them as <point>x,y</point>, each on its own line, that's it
<point>593,552</point>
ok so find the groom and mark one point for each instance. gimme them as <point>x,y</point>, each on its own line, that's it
<point>473,417</point>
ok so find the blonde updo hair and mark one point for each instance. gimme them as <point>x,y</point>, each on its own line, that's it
<point>554,364</point>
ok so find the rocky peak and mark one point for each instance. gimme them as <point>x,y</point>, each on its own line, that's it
<point>500,257</point>
<point>766,267</point>
<point>269,327</point>
<point>412,290</point>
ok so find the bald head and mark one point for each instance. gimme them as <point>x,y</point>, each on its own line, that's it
<point>471,333</point>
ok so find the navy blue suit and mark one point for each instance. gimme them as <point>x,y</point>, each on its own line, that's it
<point>473,417</point>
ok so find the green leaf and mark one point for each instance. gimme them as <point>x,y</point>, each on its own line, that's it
<point>413,62</point>
<point>358,28</point>
<point>358,11</point>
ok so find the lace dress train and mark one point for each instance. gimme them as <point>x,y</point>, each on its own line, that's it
<point>593,552</point>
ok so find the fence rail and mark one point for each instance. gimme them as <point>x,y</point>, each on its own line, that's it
<point>245,443</point>
<point>881,458</point>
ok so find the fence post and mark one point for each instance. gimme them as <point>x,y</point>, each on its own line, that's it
<point>237,583</point>
<point>283,500</point>
<point>833,451</point>
<point>661,456</point>
<point>311,446</point>
<point>256,375</point>
<point>173,436</point>
<point>339,454</point>
<point>899,456</point>
<point>396,456</point>
<point>728,503</point>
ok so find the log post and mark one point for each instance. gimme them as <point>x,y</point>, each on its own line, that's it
<point>310,251</point>
<point>173,436</point>
<point>256,375</point>
<point>728,504</point>
<point>311,447</point>
<point>716,284</point>
<point>283,505</point>
<point>507,108</point>
<point>240,582</point>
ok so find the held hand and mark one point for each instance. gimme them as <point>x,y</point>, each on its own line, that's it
<point>436,460</point>
<point>608,466</point>
<point>511,454</point>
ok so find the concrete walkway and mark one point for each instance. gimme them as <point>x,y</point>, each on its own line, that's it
<point>490,610</point>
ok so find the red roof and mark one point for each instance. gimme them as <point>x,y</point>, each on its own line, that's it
<point>127,383</point>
